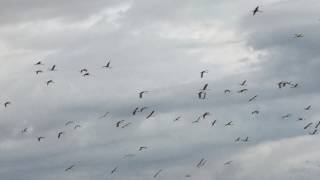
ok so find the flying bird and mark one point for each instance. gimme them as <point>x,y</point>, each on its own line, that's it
<point>202,95</point>
<point>83,70</point>
<point>256,10</point>
<point>103,116</point>
<point>49,82</point>
<point>205,87</point>
<point>114,170</point>
<point>237,140</point>
<point>307,126</point>
<point>69,168</point>
<point>125,125</point>
<point>314,132</point>
<point>142,148</point>
<point>135,111</point>
<point>60,134</point>
<point>107,65</point>
<point>228,124</point>
<point>253,98</point>
<point>177,118</point>
<point>141,94</point>
<point>298,35</point>
<point>242,90</point>
<point>227,91</point>
<point>307,108</point>
<point>53,68</point>
<point>201,163</point>
<point>228,163</point>
<point>143,108</point>
<point>246,139</point>
<point>204,115</point>
<point>86,74</point>
<point>149,116</point>
<point>243,83</point>
<point>39,138</point>
<point>24,130</point>
<point>68,122</point>
<point>7,103</point>
<point>157,173</point>
<point>77,126</point>
<point>39,63</point>
<point>202,73</point>
<point>213,123</point>
<point>317,125</point>
<point>38,71</point>
<point>119,122</point>
<point>255,112</point>
<point>286,116</point>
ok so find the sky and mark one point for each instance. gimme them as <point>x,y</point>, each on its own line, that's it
<point>160,47</point>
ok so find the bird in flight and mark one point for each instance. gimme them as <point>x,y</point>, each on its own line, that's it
<point>135,111</point>
<point>313,132</point>
<point>202,73</point>
<point>307,108</point>
<point>149,116</point>
<point>39,63</point>
<point>125,125</point>
<point>7,103</point>
<point>255,112</point>
<point>49,82</point>
<point>298,35</point>
<point>243,83</point>
<point>317,125</point>
<point>143,108</point>
<point>86,74</point>
<point>246,139</point>
<point>253,98</point>
<point>307,126</point>
<point>213,123</point>
<point>114,170</point>
<point>157,173</point>
<point>77,126</point>
<point>237,140</point>
<point>204,115</point>
<point>68,122</point>
<point>39,138</point>
<point>38,71</point>
<point>83,70</point>
<point>205,87</point>
<point>256,10</point>
<point>69,168</point>
<point>201,163</point>
<point>202,95</point>
<point>228,124</point>
<point>60,134</point>
<point>107,65</point>
<point>227,91</point>
<point>142,148</point>
<point>119,122</point>
<point>103,116</point>
<point>177,118</point>
<point>228,163</point>
<point>286,116</point>
<point>282,84</point>
<point>53,68</point>
<point>242,90</point>
<point>24,130</point>
<point>141,94</point>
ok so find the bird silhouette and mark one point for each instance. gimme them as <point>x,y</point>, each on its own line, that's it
<point>39,63</point>
<point>60,134</point>
<point>307,126</point>
<point>25,130</point>
<point>114,170</point>
<point>205,87</point>
<point>83,70</point>
<point>253,98</point>
<point>202,95</point>
<point>49,82</point>
<point>286,116</point>
<point>237,140</point>
<point>177,118</point>
<point>141,94</point>
<point>228,124</point>
<point>86,74</point>
<point>246,139</point>
<point>38,71</point>
<point>119,122</point>
<point>256,10</point>
<point>104,115</point>
<point>318,124</point>
<point>125,125</point>
<point>228,163</point>
<point>242,90</point>
<point>243,83</point>
<point>202,73</point>
<point>298,35</point>
<point>77,126</point>
<point>68,122</point>
<point>135,111</point>
<point>307,108</point>
<point>213,123</point>
<point>69,168</point>
<point>141,148</point>
<point>227,91</point>
<point>149,116</point>
<point>6,104</point>
<point>157,173</point>
<point>313,132</point>
<point>107,65</point>
<point>255,112</point>
<point>39,138</point>
<point>201,163</point>
<point>53,68</point>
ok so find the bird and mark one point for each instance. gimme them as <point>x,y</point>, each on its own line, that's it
<point>237,140</point>
<point>301,119</point>
<point>286,116</point>
<point>69,168</point>
<point>6,103</point>
<point>39,63</point>
<point>253,98</point>
<point>255,112</point>
<point>104,115</point>
<point>77,126</point>
<point>213,123</point>
<point>157,173</point>
<point>83,70</point>
<point>294,85</point>
<point>201,163</point>
<point>107,65</point>
<point>187,176</point>
<point>68,122</point>
<point>204,87</point>
<point>135,111</point>
<point>149,116</point>
<point>86,74</point>
<point>256,10</point>
<point>53,68</point>
<point>313,132</point>
<point>227,91</point>
<point>298,35</point>
<point>228,163</point>
<point>114,170</point>
<point>143,108</point>
<point>246,139</point>
<point>142,148</point>
<point>177,118</point>
<point>282,84</point>
<point>202,73</point>
<point>307,126</point>
<point>317,125</point>
<point>38,71</point>
<point>204,115</point>
<point>119,122</point>
<point>198,120</point>
<point>60,134</point>
<point>307,108</point>
<point>228,124</point>
<point>141,94</point>
<point>49,82</point>
<point>39,138</point>
<point>202,95</point>
<point>24,130</point>
<point>243,83</point>
<point>125,125</point>
<point>242,90</point>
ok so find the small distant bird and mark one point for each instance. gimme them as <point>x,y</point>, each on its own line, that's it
<point>204,115</point>
<point>83,70</point>
<point>253,98</point>
<point>142,148</point>
<point>202,73</point>
<point>286,116</point>
<point>242,90</point>
<point>246,139</point>
<point>201,163</point>
<point>38,63</point>
<point>103,116</point>
<point>187,175</point>
<point>198,120</point>
<point>317,125</point>
<point>228,163</point>
<point>298,35</point>
<point>227,91</point>
<point>283,84</point>
<point>60,134</point>
<point>157,173</point>
<point>39,138</point>
<point>68,122</point>
<point>202,95</point>
<point>107,65</point>
<point>205,87</point>
<point>256,10</point>
<point>255,112</point>
<point>77,126</point>
<point>49,82</point>
<point>24,130</point>
<point>228,124</point>
<point>307,108</point>
<point>213,123</point>
<point>243,83</point>
<point>69,168</point>
<point>177,118</point>
<point>143,108</point>
<point>53,68</point>
<point>149,116</point>
<point>301,119</point>
<point>7,103</point>
<point>86,74</point>
<point>314,132</point>
<point>135,111</point>
<point>119,122</point>
<point>294,85</point>
<point>307,126</point>
<point>114,170</point>
<point>125,125</point>
<point>141,94</point>
<point>237,140</point>
<point>38,71</point>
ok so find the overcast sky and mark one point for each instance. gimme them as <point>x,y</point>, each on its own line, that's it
<point>161,47</point>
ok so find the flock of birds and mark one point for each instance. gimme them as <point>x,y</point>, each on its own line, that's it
<point>201,95</point>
